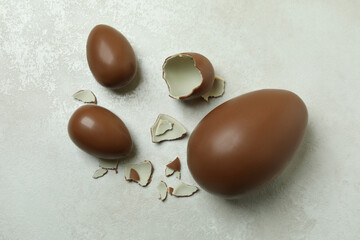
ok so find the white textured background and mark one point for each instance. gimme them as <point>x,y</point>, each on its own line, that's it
<point>46,189</point>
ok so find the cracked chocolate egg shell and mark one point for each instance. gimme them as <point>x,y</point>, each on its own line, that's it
<point>245,142</point>
<point>110,57</point>
<point>99,132</point>
<point>188,75</point>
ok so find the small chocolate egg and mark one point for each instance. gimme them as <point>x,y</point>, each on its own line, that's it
<point>110,57</point>
<point>245,142</point>
<point>188,75</point>
<point>99,132</point>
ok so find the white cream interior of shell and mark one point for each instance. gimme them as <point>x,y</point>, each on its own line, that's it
<point>177,130</point>
<point>108,163</point>
<point>181,75</point>
<point>85,96</point>
<point>168,171</point>
<point>100,173</point>
<point>163,126</point>
<point>217,89</point>
<point>183,189</point>
<point>144,170</point>
<point>162,190</point>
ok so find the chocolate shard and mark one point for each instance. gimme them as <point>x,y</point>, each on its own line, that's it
<point>174,165</point>
<point>134,175</point>
<point>162,187</point>
<point>142,171</point>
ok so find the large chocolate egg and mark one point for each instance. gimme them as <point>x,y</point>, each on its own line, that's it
<point>245,142</point>
<point>110,56</point>
<point>99,132</point>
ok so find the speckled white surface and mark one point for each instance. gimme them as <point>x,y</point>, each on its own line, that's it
<point>46,185</point>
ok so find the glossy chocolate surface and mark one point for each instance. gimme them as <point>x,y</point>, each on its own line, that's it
<point>99,132</point>
<point>207,72</point>
<point>245,142</point>
<point>110,57</point>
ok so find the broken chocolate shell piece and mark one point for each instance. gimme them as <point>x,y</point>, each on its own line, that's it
<point>163,126</point>
<point>176,132</point>
<point>188,75</point>
<point>183,190</point>
<point>168,172</point>
<point>217,89</point>
<point>162,187</point>
<point>143,169</point>
<point>175,165</point>
<point>108,164</point>
<point>134,175</point>
<point>100,173</point>
<point>85,96</point>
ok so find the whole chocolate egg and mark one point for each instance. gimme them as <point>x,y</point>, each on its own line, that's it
<point>247,141</point>
<point>110,57</point>
<point>99,132</point>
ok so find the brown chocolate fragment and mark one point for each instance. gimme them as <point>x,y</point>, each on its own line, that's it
<point>134,175</point>
<point>175,165</point>
<point>170,190</point>
<point>141,171</point>
<point>183,190</point>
